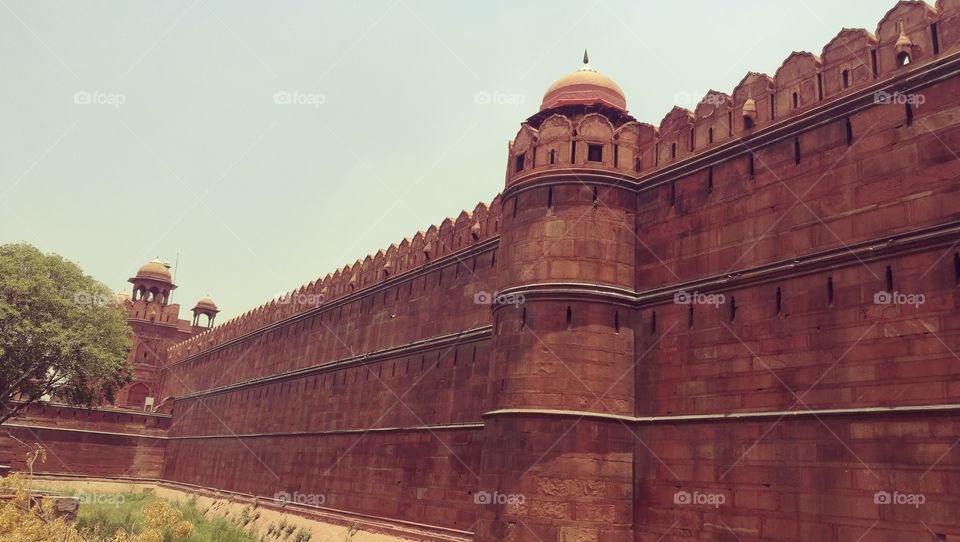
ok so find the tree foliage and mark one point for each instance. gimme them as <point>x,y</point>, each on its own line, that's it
<point>62,333</point>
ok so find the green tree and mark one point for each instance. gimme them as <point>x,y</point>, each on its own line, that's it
<point>62,333</point>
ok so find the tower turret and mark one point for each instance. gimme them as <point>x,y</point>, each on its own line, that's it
<point>153,282</point>
<point>563,349</point>
<point>205,307</point>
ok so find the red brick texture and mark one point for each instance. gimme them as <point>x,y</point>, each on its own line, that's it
<point>109,443</point>
<point>584,403</point>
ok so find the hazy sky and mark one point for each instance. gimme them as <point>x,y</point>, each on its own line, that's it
<point>182,147</point>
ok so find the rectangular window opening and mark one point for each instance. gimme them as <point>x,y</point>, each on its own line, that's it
<point>595,153</point>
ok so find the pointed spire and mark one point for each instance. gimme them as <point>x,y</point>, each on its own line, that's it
<point>903,41</point>
<point>586,63</point>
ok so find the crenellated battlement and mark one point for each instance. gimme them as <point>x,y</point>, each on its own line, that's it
<point>757,299</point>
<point>911,33</point>
<point>450,237</point>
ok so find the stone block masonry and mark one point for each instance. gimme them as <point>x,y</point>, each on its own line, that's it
<point>741,324</point>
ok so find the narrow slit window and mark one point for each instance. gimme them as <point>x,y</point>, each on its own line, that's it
<point>523,319</point>
<point>549,197</point>
<point>733,308</point>
<point>533,157</point>
<point>656,155</point>
<point>779,302</point>
<point>846,78</point>
<point>573,152</point>
<point>796,100</point>
<point>516,203</point>
<point>673,193</point>
<point>519,163</point>
<point>690,316</point>
<point>829,291</point>
<point>888,275</point>
<point>653,322</point>
<point>873,62</point>
<point>569,317</point>
<point>637,164</point>
<point>729,123</point>
<point>956,268</point>
<point>616,155</point>
<point>750,169</point>
<point>693,135</point>
<point>819,86</point>
<point>673,150</point>
<point>616,322</point>
<point>796,151</point>
<point>596,197</point>
<point>849,132</point>
<point>909,112</point>
<point>595,153</point>
<point>773,106</point>
<point>553,156</point>
<point>710,180</point>
<point>710,135</point>
<point>934,39</point>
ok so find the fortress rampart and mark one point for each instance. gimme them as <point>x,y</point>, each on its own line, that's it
<point>757,299</point>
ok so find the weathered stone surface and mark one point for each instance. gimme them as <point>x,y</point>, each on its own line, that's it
<point>402,389</point>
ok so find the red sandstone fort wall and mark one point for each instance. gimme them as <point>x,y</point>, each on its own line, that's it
<point>370,387</point>
<point>375,384</point>
<point>110,443</point>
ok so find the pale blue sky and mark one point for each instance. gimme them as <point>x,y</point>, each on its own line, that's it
<point>259,197</point>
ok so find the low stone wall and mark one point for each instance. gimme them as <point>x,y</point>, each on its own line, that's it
<point>323,526</point>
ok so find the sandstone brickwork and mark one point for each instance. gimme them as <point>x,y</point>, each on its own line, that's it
<point>740,324</point>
